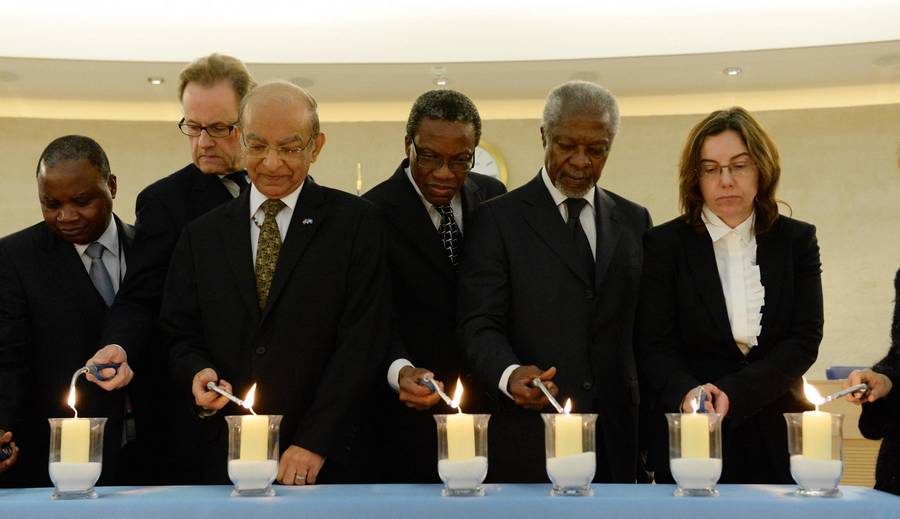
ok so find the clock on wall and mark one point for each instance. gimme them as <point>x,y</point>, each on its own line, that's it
<point>488,161</point>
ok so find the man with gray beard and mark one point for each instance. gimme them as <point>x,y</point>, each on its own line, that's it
<point>548,286</point>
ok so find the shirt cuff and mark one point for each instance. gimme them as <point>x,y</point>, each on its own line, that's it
<point>504,379</point>
<point>393,373</point>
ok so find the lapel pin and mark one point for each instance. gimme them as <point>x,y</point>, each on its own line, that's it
<point>307,221</point>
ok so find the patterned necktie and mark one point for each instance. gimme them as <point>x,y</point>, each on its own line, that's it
<point>267,249</point>
<point>239,178</point>
<point>99,275</point>
<point>582,245</point>
<point>451,238</point>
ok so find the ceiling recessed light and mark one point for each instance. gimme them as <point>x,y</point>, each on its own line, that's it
<point>156,80</point>
<point>732,71</point>
<point>441,81</point>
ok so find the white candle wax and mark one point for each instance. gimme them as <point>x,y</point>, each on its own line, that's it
<point>254,438</point>
<point>815,473</point>
<point>75,440</point>
<point>694,435</point>
<point>568,435</point>
<point>460,437</point>
<point>817,435</point>
<point>72,477</point>
<point>252,475</point>
<point>572,471</point>
<point>464,473</point>
<point>696,473</point>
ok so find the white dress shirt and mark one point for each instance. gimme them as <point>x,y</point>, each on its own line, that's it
<point>393,373</point>
<point>735,251</point>
<point>113,257</point>
<point>283,218</point>
<point>587,218</point>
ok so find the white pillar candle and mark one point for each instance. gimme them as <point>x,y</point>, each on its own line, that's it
<point>568,435</point>
<point>460,437</point>
<point>75,440</point>
<point>254,438</point>
<point>694,435</point>
<point>817,435</point>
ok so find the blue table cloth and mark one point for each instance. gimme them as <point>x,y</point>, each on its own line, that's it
<point>425,502</point>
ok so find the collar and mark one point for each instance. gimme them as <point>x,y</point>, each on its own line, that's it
<point>558,197</point>
<point>257,198</point>
<point>454,200</point>
<point>717,228</point>
<point>109,239</point>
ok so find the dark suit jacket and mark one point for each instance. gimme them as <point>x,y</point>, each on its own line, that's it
<point>50,321</point>
<point>163,210</point>
<point>315,348</point>
<point>881,419</point>
<point>685,339</point>
<point>524,300</point>
<point>404,441</point>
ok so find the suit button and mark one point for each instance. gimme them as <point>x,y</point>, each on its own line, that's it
<point>587,386</point>
<point>260,350</point>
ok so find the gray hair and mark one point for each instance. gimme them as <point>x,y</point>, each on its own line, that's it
<point>443,105</point>
<point>209,70</point>
<point>285,92</point>
<point>580,97</point>
<point>74,147</point>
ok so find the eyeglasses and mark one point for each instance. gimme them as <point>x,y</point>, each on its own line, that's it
<point>711,169</point>
<point>256,150</point>
<point>216,131</point>
<point>431,163</point>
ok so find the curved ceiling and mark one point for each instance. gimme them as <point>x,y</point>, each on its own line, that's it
<point>406,31</point>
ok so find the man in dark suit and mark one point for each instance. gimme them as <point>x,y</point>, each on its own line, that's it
<point>57,279</point>
<point>428,203</point>
<point>285,287</point>
<point>210,92</point>
<point>548,288</point>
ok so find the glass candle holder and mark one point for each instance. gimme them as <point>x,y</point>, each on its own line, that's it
<point>462,452</point>
<point>816,446</point>
<point>695,452</point>
<point>76,456</point>
<point>253,453</point>
<point>570,444</point>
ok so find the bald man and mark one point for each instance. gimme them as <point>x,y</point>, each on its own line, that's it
<point>285,287</point>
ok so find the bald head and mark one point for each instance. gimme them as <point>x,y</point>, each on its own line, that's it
<point>281,93</point>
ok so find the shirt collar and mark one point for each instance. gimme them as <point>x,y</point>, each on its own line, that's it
<point>109,239</point>
<point>717,228</point>
<point>257,198</point>
<point>424,200</point>
<point>558,197</point>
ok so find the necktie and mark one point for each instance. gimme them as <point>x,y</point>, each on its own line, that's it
<point>99,275</point>
<point>267,249</point>
<point>239,178</point>
<point>451,238</point>
<point>582,245</point>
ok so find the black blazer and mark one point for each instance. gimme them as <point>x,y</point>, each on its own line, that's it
<point>314,350</point>
<point>684,339</point>
<point>524,300</point>
<point>423,322</point>
<point>50,321</point>
<point>881,419</point>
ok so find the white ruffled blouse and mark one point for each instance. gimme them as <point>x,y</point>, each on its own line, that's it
<point>735,251</point>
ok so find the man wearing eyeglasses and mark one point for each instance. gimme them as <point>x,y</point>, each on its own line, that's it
<point>210,92</point>
<point>285,287</point>
<point>548,290</point>
<point>428,203</point>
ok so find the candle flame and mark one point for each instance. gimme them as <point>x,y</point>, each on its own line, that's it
<point>695,404</point>
<point>568,407</point>
<point>812,394</point>
<point>248,400</point>
<point>71,400</point>
<point>358,178</point>
<point>457,396</point>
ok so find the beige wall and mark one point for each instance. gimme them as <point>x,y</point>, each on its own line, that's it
<point>840,173</point>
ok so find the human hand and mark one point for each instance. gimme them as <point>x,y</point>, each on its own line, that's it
<point>525,394</point>
<point>879,385</point>
<point>716,402</point>
<point>299,466</point>
<point>416,395</point>
<point>205,398</point>
<point>111,354</point>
